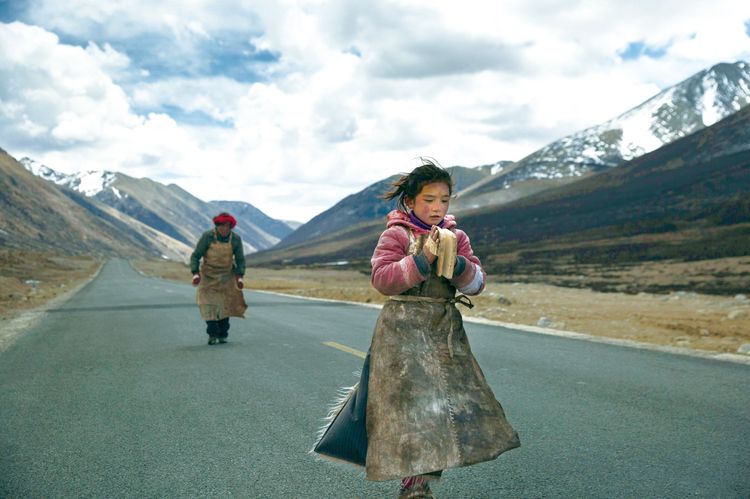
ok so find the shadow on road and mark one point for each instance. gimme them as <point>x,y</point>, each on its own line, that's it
<point>251,304</point>
<point>114,308</point>
<point>298,303</point>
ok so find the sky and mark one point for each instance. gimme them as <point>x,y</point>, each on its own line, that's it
<point>291,105</point>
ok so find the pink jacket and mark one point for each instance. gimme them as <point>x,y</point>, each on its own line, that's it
<point>394,270</point>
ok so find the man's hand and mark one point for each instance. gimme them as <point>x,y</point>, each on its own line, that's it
<point>196,279</point>
<point>240,282</point>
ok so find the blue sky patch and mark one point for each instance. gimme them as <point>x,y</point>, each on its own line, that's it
<point>747,27</point>
<point>163,58</point>
<point>183,117</point>
<point>229,54</point>
<point>12,10</point>
<point>238,60</point>
<point>636,50</point>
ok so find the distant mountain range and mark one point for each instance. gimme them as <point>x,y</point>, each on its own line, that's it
<point>109,212</point>
<point>699,101</point>
<point>367,205</point>
<point>688,200</point>
<point>168,210</point>
<point>38,215</point>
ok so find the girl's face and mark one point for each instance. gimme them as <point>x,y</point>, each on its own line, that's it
<point>431,204</point>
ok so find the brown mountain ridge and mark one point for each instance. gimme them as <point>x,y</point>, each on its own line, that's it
<point>37,215</point>
<point>687,201</point>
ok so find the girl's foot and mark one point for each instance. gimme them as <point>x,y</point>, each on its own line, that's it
<point>415,487</point>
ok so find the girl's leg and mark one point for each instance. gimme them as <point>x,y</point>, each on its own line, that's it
<point>418,486</point>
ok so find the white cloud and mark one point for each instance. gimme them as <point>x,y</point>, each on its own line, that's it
<point>357,91</point>
<point>216,97</point>
<point>60,91</point>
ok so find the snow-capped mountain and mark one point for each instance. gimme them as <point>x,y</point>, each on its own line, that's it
<point>58,219</point>
<point>168,209</point>
<point>688,200</point>
<point>678,111</point>
<point>88,183</point>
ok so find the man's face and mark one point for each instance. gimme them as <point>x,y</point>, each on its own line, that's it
<point>224,229</point>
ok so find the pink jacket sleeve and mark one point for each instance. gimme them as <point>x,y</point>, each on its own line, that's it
<point>393,270</point>
<point>473,277</point>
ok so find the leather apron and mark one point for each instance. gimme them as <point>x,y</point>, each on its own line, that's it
<point>218,296</point>
<point>429,406</point>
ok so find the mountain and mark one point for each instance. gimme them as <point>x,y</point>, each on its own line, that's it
<point>688,200</point>
<point>37,215</point>
<point>166,208</point>
<point>250,220</point>
<point>367,205</point>
<point>697,102</point>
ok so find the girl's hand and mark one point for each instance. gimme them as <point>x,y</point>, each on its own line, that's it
<point>435,236</point>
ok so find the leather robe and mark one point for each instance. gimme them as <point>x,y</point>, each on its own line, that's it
<point>422,404</point>
<point>429,406</point>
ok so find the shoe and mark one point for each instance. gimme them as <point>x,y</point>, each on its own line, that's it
<point>222,340</point>
<point>212,340</point>
<point>421,491</point>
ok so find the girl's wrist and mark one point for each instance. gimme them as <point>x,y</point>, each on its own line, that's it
<point>423,263</point>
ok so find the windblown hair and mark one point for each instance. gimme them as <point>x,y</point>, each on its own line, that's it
<point>410,184</point>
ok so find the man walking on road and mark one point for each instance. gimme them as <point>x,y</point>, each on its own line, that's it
<point>219,277</point>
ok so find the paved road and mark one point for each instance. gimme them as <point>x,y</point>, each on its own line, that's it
<point>117,395</point>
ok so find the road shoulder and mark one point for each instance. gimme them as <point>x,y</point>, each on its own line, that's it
<point>13,328</point>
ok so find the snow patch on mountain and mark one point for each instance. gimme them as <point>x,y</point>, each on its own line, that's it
<point>91,183</point>
<point>700,101</point>
<point>43,171</point>
<point>497,167</point>
<point>710,91</point>
<point>88,183</point>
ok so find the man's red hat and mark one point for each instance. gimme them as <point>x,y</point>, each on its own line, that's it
<point>223,218</point>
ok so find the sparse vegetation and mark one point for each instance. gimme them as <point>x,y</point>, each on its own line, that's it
<point>29,279</point>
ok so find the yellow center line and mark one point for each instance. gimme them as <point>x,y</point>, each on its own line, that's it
<point>344,348</point>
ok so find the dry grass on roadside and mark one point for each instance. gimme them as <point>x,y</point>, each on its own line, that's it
<point>29,279</point>
<point>705,322</point>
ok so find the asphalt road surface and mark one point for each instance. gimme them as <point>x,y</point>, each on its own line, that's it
<point>116,394</point>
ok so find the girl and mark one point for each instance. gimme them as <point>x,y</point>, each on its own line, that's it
<point>422,404</point>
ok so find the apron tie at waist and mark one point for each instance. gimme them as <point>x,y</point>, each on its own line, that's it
<point>460,299</point>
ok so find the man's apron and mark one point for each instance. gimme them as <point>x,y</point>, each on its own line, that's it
<point>218,296</point>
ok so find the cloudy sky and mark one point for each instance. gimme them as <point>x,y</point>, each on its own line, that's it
<point>293,104</point>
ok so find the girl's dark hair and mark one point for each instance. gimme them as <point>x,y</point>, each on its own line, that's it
<point>410,184</point>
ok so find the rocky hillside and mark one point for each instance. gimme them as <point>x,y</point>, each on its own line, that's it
<point>37,215</point>
<point>166,208</point>
<point>686,201</point>
<point>678,111</point>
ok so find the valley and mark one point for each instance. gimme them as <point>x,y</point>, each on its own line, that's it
<point>678,318</point>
